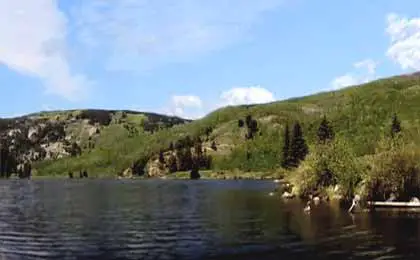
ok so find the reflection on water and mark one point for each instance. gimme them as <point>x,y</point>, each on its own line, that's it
<point>104,219</point>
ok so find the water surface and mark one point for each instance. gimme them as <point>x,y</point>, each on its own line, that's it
<point>107,219</point>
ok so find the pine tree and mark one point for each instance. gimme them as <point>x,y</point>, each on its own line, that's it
<point>198,153</point>
<point>180,159</point>
<point>396,126</point>
<point>188,159</point>
<point>214,146</point>
<point>161,157</point>
<point>4,159</point>
<point>286,148</point>
<point>252,129</point>
<point>248,120</point>
<point>298,147</point>
<point>325,131</point>
<point>172,164</point>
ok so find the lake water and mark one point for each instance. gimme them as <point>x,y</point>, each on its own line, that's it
<point>106,219</point>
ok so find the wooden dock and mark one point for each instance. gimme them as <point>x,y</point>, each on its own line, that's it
<point>393,204</point>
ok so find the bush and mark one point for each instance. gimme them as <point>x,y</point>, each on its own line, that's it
<point>327,165</point>
<point>395,169</point>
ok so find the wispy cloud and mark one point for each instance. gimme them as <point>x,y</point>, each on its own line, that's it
<point>33,42</point>
<point>143,34</point>
<point>405,41</point>
<point>363,71</point>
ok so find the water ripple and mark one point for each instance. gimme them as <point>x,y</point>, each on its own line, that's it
<point>183,220</point>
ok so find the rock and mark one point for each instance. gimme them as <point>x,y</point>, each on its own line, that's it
<point>336,188</point>
<point>14,132</point>
<point>287,195</point>
<point>316,200</point>
<point>156,169</point>
<point>33,134</point>
<point>392,197</point>
<point>128,173</point>
<point>414,200</point>
<point>93,130</point>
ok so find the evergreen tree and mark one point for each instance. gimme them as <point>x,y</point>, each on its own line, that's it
<point>248,120</point>
<point>172,164</point>
<point>298,147</point>
<point>4,159</point>
<point>325,131</point>
<point>188,141</point>
<point>214,146</point>
<point>252,129</point>
<point>188,159</point>
<point>241,123</point>
<point>286,148</point>
<point>198,148</point>
<point>195,174</point>
<point>161,157</point>
<point>396,126</point>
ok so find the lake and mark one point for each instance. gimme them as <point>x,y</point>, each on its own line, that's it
<point>156,219</point>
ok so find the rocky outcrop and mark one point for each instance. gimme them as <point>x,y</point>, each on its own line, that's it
<point>156,169</point>
<point>59,134</point>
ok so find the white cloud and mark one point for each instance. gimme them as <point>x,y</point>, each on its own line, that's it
<point>344,81</point>
<point>364,71</point>
<point>142,34</point>
<point>246,95</point>
<point>33,42</point>
<point>405,41</point>
<point>192,106</point>
<point>186,106</point>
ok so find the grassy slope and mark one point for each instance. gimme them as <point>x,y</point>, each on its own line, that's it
<point>359,114</point>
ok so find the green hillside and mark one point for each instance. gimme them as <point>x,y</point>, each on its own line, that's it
<point>361,115</point>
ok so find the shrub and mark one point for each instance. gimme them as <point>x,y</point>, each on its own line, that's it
<point>327,165</point>
<point>395,169</point>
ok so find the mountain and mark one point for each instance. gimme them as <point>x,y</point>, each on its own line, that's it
<point>112,142</point>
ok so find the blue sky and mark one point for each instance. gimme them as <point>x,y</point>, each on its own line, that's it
<point>188,57</point>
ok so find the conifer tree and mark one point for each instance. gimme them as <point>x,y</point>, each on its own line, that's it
<point>325,131</point>
<point>172,164</point>
<point>214,146</point>
<point>298,147</point>
<point>161,157</point>
<point>198,153</point>
<point>286,148</point>
<point>396,126</point>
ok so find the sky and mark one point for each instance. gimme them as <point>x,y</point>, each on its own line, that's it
<point>189,57</point>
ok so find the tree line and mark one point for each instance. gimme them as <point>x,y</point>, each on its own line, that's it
<point>295,148</point>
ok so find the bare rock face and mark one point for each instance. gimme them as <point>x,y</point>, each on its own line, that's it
<point>156,169</point>
<point>55,150</point>
<point>33,133</point>
<point>128,173</point>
